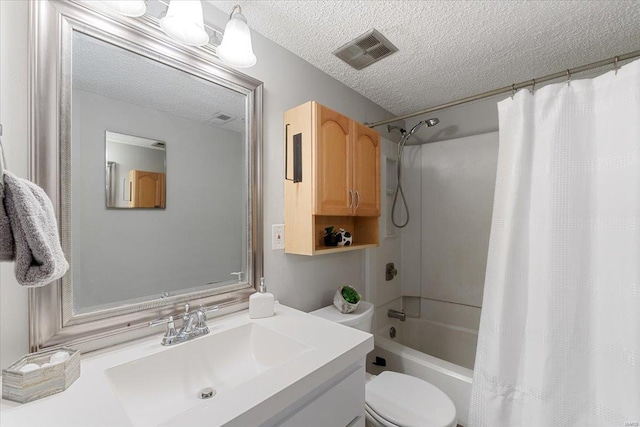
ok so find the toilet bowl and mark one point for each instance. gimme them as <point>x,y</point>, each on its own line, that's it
<point>393,399</point>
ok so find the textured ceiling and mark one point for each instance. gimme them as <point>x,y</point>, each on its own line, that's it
<point>110,71</point>
<point>448,49</point>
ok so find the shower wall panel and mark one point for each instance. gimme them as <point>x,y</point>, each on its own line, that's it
<point>457,186</point>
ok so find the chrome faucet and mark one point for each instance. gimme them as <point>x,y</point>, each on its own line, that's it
<point>397,315</point>
<point>194,324</point>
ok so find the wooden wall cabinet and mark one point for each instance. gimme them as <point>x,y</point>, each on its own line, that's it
<point>340,186</point>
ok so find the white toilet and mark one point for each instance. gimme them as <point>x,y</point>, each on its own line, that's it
<point>393,399</point>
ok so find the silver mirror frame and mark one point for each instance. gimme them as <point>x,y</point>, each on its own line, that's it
<point>52,22</point>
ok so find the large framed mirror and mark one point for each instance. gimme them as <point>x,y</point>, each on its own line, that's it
<point>151,153</point>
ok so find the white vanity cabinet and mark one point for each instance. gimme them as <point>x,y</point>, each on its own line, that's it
<point>259,380</point>
<point>337,403</point>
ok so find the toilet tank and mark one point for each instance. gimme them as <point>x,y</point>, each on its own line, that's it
<point>359,319</point>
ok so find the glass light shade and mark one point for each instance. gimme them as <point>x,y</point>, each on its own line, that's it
<point>236,49</point>
<point>184,22</point>
<point>133,8</point>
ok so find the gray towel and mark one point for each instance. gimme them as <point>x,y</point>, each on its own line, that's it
<point>38,254</point>
<point>6,238</point>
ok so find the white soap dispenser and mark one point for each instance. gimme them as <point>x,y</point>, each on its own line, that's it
<point>261,303</point>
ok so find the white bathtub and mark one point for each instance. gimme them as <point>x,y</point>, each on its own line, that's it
<point>456,343</point>
<point>445,341</point>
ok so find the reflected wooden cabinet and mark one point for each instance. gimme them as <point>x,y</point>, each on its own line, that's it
<point>338,181</point>
<point>147,189</point>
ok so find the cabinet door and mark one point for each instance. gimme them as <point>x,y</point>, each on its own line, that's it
<point>366,171</point>
<point>333,172</point>
<point>147,189</point>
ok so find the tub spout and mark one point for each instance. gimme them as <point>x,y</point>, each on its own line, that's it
<point>397,315</point>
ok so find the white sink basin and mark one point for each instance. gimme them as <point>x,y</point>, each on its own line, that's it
<point>159,387</point>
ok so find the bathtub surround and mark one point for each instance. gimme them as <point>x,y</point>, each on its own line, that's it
<point>411,235</point>
<point>560,328</point>
<point>384,294</point>
<point>449,186</point>
<point>458,180</point>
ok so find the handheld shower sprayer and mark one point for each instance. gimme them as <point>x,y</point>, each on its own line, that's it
<point>403,141</point>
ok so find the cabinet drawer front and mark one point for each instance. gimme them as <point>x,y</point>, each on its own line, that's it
<point>338,406</point>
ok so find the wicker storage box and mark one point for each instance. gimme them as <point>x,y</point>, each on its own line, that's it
<point>25,387</point>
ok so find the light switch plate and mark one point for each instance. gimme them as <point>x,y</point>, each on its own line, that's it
<point>277,236</point>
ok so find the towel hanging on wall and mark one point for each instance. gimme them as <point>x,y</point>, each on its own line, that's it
<point>34,231</point>
<point>6,238</point>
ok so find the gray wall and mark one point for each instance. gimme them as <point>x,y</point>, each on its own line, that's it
<point>302,282</point>
<point>14,335</point>
<point>120,254</point>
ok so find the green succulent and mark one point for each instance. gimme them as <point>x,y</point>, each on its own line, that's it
<point>350,295</point>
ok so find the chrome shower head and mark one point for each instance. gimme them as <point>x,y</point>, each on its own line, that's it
<point>428,122</point>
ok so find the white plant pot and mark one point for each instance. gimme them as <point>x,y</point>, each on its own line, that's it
<point>343,305</point>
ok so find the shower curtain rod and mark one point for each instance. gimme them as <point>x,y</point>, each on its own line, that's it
<point>512,88</point>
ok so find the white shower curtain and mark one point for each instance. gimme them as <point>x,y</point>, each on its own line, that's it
<point>559,341</point>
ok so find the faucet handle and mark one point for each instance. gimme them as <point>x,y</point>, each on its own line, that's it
<point>171,333</point>
<point>185,315</point>
<point>161,322</point>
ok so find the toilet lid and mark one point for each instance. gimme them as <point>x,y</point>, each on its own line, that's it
<point>409,401</point>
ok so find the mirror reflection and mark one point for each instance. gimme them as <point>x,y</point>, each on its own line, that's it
<point>192,234</point>
<point>135,175</point>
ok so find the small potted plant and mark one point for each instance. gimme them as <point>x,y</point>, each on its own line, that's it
<point>346,299</point>
<point>330,237</point>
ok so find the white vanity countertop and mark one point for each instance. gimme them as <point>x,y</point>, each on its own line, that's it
<point>91,401</point>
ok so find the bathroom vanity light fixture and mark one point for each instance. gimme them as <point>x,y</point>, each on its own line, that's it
<point>236,49</point>
<point>184,22</point>
<point>133,8</point>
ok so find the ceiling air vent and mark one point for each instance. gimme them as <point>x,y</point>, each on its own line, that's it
<point>366,49</point>
<point>222,118</point>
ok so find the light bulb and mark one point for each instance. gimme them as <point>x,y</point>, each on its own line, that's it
<point>236,49</point>
<point>184,22</point>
